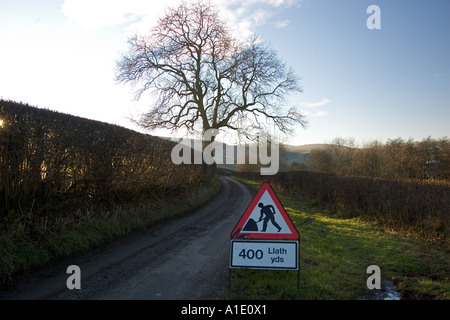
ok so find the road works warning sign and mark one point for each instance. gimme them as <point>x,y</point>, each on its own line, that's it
<point>265,237</point>
<point>265,218</point>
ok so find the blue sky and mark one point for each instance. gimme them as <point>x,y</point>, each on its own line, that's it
<point>357,83</point>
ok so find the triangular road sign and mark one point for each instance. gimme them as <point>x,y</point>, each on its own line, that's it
<point>265,218</point>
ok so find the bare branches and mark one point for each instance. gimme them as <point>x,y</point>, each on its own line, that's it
<point>201,76</point>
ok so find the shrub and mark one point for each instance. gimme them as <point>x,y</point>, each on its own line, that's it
<point>422,205</point>
<point>49,158</point>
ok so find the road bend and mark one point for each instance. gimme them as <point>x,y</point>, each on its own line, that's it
<point>186,258</point>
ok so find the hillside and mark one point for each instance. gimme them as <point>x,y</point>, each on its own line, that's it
<point>306,148</point>
<point>299,154</point>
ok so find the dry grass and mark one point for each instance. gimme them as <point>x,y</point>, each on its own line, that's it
<point>30,241</point>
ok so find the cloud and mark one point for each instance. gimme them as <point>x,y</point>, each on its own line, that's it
<point>281,24</point>
<point>318,113</point>
<point>313,105</point>
<point>321,103</point>
<point>243,16</point>
<point>97,14</point>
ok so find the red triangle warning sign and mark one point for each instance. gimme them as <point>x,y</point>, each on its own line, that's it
<point>265,218</point>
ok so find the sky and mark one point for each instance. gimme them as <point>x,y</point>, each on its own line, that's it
<point>358,82</point>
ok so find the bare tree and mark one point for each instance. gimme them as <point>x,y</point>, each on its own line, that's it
<point>204,78</point>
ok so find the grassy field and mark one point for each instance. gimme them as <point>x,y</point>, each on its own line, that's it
<point>334,255</point>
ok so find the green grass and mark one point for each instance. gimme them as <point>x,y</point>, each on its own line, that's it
<point>31,241</point>
<point>334,255</point>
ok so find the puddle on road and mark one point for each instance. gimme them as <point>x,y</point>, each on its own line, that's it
<point>388,291</point>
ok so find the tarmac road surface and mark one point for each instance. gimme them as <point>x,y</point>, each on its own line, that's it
<point>186,258</point>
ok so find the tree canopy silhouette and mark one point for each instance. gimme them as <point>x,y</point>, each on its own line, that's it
<point>205,78</point>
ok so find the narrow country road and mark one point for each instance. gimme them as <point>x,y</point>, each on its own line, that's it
<point>186,258</point>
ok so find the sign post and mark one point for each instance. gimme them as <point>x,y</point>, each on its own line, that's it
<point>265,237</point>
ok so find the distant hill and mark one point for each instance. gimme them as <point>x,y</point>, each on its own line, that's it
<point>306,148</point>
<point>299,154</point>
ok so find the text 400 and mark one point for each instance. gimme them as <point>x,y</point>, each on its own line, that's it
<point>250,254</point>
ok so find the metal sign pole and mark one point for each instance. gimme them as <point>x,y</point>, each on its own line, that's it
<point>298,269</point>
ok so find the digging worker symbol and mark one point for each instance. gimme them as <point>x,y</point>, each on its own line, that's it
<point>269,212</point>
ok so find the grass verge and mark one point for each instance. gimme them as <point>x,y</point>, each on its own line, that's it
<point>32,241</point>
<point>334,255</point>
